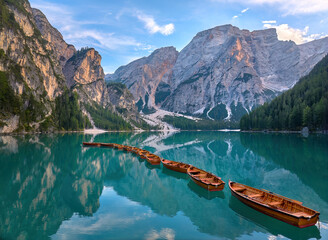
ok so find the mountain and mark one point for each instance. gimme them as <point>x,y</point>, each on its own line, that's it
<point>37,67</point>
<point>148,78</point>
<point>305,105</point>
<point>223,73</point>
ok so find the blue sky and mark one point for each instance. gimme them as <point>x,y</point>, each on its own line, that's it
<point>122,31</point>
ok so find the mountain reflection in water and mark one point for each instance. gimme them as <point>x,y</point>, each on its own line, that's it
<point>48,180</point>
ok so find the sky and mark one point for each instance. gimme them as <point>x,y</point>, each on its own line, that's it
<point>125,30</point>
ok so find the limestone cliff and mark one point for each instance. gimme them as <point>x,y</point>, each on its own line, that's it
<point>222,73</point>
<point>37,65</point>
<point>55,41</point>
<point>148,78</point>
<point>225,69</point>
<point>84,74</point>
<point>30,69</point>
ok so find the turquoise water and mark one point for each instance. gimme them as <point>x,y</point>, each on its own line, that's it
<point>52,187</point>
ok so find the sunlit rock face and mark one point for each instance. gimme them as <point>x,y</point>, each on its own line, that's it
<point>40,65</point>
<point>34,59</point>
<point>237,69</point>
<point>148,78</point>
<point>60,48</point>
<point>222,73</point>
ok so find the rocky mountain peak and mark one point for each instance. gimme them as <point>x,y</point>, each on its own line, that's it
<point>222,73</point>
<point>146,77</point>
<point>55,40</point>
<point>84,67</point>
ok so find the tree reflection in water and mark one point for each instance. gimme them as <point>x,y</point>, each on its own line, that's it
<point>47,179</point>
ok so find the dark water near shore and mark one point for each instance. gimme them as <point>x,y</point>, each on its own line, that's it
<point>52,187</point>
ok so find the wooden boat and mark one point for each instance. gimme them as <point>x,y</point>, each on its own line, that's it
<point>142,153</point>
<point>107,144</point>
<point>126,148</point>
<point>118,146</point>
<point>205,179</point>
<point>274,205</point>
<point>91,144</point>
<point>131,149</point>
<point>176,166</point>
<point>152,159</point>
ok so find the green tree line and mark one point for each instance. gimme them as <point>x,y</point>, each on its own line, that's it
<point>203,124</point>
<point>68,114</point>
<point>105,119</point>
<point>305,105</point>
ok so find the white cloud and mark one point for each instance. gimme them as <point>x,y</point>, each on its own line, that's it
<point>102,40</point>
<point>269,21</point>
<point>241,13</point>
<point>290,7</point>
<point>153,27</point>
<point>299,36</point>
<point>244,10</point>
<point>165,233</point>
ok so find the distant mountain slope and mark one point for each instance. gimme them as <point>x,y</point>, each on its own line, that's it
<point>305,105</point>
<point>223,73</point>
<point>148,78</point>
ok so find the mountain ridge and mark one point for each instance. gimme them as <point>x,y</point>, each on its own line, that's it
<point>37,67</point>
<point>224,72</point>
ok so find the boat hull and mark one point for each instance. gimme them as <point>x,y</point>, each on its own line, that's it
<point>182,170</point>
<point>153,160</point>
<point>175,168</point>
<point>88,144</point>
<point>107,145</point>
<point>209,187</point>
<point>298,222</point>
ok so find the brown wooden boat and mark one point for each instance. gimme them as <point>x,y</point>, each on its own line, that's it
<point>118,146</point>
<point>111,145</point>
<point>142,153</point>
<point>274,205</point>
<point>131,149</point>
<point>126,148</point>
<point>176,166</point>
<point>205,179</point>
<point>91,144</point>
<point>152,159</point>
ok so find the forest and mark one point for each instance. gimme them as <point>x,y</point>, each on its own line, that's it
<point>105,119</point>
<point>305,105</point>
<point>201,124</point>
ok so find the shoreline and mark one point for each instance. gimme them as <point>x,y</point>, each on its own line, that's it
<point>283,131</point>
<point>102,131</point>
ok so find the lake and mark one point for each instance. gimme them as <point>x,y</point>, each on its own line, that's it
<point>53,187</point>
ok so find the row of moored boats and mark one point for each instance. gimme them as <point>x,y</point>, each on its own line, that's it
<point>274,205</point>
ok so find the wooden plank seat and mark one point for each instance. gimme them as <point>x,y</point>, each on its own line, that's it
<point>239,189</point>
<point>274,204</point>
<point>255,195</point>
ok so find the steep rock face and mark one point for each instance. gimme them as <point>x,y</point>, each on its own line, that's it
<point>83,68</point>
<point>222,73</point>
<point>228,69</point>
<point>84,74</point>
<point>56,43</point>
<point>37,65</point>
<point>148,78</point>
<point>25,48</point>
<point>122,99</point>
<point>30,69</point>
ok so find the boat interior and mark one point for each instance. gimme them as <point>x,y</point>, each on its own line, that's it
<point>272,200</point>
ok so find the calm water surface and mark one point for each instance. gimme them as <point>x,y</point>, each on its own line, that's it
<point>52,187</point>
